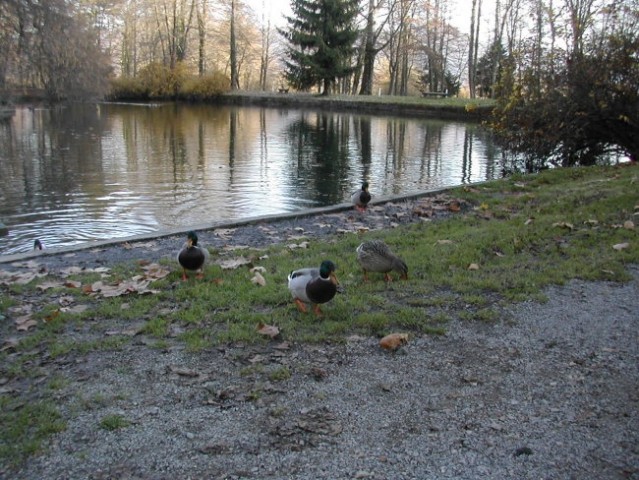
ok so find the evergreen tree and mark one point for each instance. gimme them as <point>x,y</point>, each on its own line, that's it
<point>321,38</point>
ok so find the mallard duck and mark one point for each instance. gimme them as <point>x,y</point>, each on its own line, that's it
<point>313,285</point>
<point>361,197</point>
<point>192,257</point>
<point>376,256</point>
<point>37,244</point>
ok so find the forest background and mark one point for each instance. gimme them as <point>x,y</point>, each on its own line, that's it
<point>564,73</point>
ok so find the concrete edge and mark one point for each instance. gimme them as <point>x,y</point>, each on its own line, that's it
<point>16,257</point>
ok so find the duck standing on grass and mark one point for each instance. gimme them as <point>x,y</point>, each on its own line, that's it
<point>376,256</point>
<point>192,257</point>
<point>361,198</point>
<point>313,286</point>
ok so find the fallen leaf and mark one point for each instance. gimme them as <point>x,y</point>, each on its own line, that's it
<point>49,284</point>
<point>24,323</point>
<point>75,309</point>
<point>567,225</point>
<point>445,242</point>
<point>293,246</point>
<point>529,221</point>
<point>52,316</point>
<point>234,263</point>
<point>258,269</point>
<point>9,344</point>
<point>258,279</point>
<point>268,330</point>
<point>393,341</point>
<point>183,372</point>
<point>621,246</point>
<point>473,266</point>
<point>155,271</point>
<point>629,225</point>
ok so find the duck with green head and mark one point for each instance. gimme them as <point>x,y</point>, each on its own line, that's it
<point>361,197</point>
<point>313,286</point>
<point>192,257</point>
<point>376,256</point>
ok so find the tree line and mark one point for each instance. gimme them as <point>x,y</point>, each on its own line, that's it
<point>563,72</point>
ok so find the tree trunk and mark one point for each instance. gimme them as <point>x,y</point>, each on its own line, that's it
<point>235,81</point>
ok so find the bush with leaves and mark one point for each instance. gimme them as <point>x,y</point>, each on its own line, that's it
<point>586,114</point>
<point>206,87</point>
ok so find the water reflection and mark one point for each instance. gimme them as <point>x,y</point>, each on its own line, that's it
<point>88,172</point>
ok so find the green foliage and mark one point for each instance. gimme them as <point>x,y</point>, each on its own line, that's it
<point>321,38</point>
<point>114,422</point>
<point>25,426</point>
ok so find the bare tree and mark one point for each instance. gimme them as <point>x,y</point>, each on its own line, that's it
<point>372,34</point>
<point>475,18</point>
<point>235,78</point>
<point>174,20</point>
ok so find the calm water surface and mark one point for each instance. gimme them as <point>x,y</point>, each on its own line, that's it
<point>94,172</point>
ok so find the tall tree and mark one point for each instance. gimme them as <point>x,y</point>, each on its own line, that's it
<point>475,18</point>
<point>321,38</point>
<point>235,77</point>
<point>174,20</point>
<point>265,54</point>
<point>372,33</point>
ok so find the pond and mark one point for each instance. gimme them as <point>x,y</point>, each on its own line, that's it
<point>89,172</point>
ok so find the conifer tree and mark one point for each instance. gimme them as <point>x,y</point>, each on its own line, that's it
<point>321,38</point>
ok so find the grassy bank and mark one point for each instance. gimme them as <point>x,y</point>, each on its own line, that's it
<point>446,108</point>
<point>503,242</point>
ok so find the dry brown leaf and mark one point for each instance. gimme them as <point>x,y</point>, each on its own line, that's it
<point>393,341</point>
<point>75,309</point>
<point>268,330</point>
<point>183,372</point>
<point>258,279</point>
<point>155,271</point>
<point>445,242</point>
<point>293,246</point>
<point>473,266</point>
<point>52,316</point>
<point>24,323</point>
<point>629,225</point>
<point>9,344</point>
<point>621,246</point>
<point>567,225</point>
<point>234,263</point>
<point>10,278</point>
<point>50,284</point>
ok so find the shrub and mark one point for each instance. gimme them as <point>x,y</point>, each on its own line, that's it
<point>206,87</point>
<point>127,88</point>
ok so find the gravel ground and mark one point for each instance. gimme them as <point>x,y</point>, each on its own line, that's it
<point>549,392</point>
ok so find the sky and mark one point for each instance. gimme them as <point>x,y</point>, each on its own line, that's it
<point>461,9</point>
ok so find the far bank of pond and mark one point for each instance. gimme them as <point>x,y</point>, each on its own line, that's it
<point>449,108</point>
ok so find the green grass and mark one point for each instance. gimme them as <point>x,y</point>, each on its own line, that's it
<point>523,233</point>
<point>114,422</point>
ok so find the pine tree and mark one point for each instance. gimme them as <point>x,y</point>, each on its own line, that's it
<point>321,39</point>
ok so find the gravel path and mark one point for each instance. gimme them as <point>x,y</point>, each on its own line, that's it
<point>549,392</point>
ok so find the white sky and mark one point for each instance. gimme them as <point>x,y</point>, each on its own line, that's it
<point>461,9</point>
